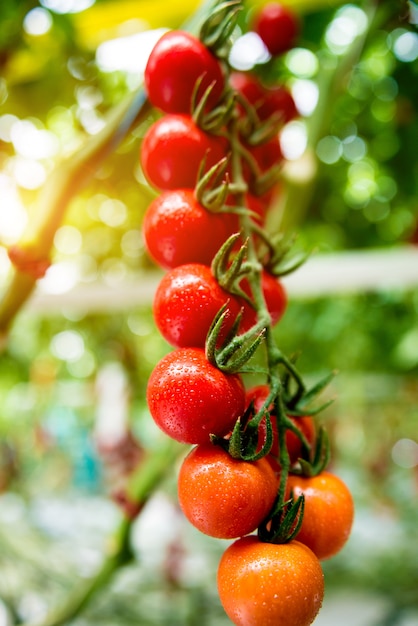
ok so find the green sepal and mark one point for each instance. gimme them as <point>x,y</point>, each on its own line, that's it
<point>212,187</point>
<point>215,119</point>
<point>229,272</point>
<point>280,258</point>
<point>284,522</point>
<point>320,457</point>
<point>298,403</point>
<point>314,391</point>
<point>265,181</point>
<point>243,442</point>
<point>217,29</point>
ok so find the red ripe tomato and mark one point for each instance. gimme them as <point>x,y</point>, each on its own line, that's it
<point>176,62</point>
<point>275,298</point>
<point>266,100</point>
<point>225,497</point>
<point>277,26</point>
<point>328,514</point>
<point>186,302</point>
<point>189,398</point>
<point>257,396</point>
<point>266,584</point>
<point>173,149</point>
<point>177,229</point>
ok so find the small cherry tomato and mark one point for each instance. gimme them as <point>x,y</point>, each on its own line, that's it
<point>177,229</point>
<point>275,298</point>
<point>185,303</point>
<point>190,399</point>
<point>278,27</point>
<point>328,514</point>
<point>225,497</point>
<point>173,149</point>
<point>266,584</point>
<point>267,101</point>
<point>176,62</point>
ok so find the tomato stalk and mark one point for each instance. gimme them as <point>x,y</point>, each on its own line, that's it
<point>273,355</point>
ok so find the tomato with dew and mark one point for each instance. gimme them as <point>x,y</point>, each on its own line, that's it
<point>186,302</point>
<point>177,229</point>
<point>225,497</point>
<point>177,61</point>
<point>190,399</point>
<point>266,584</point>
<point>173,150</point>
<point>328,514</point>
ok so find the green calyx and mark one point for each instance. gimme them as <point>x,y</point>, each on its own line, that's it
<point>319,457</point>
<point>217,29</point>
<point>236,350</point>
<point>284,522</point>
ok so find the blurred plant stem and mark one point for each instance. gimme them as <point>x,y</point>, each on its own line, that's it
<point>300,176</point>
<point>150,473</point>
<point>65,181</point>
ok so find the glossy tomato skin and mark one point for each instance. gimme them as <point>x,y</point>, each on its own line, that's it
<point>189,398</point>
<point>267,101</point>
<point>328,514</point>
<point>265,584</point>
<point>275,297</point>
<point>257,396</point>
<point>177,229</point>
<point>176,62</point>
<point>173,149</point>
<point>277,26</point>
<point>185,303</point>
<point>225,497</point>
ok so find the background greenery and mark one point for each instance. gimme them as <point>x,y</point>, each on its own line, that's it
<point>355,188</point>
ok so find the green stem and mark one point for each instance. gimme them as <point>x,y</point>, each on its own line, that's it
<point>273,354</point>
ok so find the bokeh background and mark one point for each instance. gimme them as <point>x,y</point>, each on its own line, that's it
<point>73,420</point>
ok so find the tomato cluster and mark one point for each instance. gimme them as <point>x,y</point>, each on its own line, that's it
<point>213,155</point>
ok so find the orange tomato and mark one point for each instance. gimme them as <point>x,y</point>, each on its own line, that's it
<point>265,584</point>
<point>225,497</point>
<point>328,515</point>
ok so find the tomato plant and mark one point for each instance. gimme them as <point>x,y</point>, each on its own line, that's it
<point>190,399</point>
<point>328,514</point>
<point>169,84</point>
<point>186,301</point>
<point>177,229</point>
<point>278,27</point>
<point>265,584</point>
<point>225,497</point>
<point>173,150</point>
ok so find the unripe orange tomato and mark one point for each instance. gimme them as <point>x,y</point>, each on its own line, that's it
<point>265,584</point>
<point>328,514</point>
<point>225,497</point>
